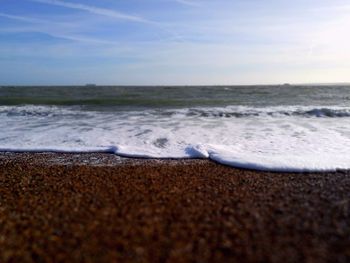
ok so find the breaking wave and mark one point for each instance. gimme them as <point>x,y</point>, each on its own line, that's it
<point>210,112</point>
<point>289,138</point>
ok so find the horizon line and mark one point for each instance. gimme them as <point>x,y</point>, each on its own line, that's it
<point>175,85</point>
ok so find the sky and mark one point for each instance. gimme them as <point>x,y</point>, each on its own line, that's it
<point>174,42</point>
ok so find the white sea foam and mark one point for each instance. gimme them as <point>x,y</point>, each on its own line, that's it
<point>274,139</point>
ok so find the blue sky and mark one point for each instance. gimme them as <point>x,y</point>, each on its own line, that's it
<point>174,42</point>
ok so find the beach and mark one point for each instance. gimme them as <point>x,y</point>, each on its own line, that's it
<point>104,208</point>
<point>174,131</point>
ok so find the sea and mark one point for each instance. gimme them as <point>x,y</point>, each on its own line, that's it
<point>292,128</point>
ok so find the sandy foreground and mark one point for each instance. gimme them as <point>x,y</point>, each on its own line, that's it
<point>104,208</point>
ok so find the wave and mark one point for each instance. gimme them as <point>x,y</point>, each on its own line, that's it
<point>270,138</point>
<point>287,111</point>
<point>220,154</point>
<point>202,112</point>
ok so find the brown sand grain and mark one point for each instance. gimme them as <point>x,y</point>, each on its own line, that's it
<point>103,208</point>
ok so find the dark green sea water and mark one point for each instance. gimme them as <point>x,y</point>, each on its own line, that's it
<point>103,97</point>
<point>273,128</point>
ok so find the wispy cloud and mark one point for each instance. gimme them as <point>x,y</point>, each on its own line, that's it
<point>328,8</point>
<point>95,10</point>
<point>114,14</point>
<point>63,30</point>
<point>47,27</point>
<point>188,2</point>
<point>21,18</point>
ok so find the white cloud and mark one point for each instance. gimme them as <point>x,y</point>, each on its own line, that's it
<point>95,10</point>
<point>250,46</point>
<point>112,14</point>
<point>21,18</point>
<point>188,2</point>
<point>57,30</point>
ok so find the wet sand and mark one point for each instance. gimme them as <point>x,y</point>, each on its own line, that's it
<point>103,208</point>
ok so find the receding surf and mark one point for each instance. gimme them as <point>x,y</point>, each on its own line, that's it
<point>270,138</point>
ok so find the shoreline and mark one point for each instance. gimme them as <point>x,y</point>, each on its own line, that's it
<point>102,207</point>
<point>109,159</point>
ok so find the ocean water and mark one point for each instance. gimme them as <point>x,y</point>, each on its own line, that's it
<point>273,128</point>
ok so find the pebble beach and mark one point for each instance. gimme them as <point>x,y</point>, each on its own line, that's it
<point>104,208</point>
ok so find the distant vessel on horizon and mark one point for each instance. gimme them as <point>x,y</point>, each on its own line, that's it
<point>90,85</point>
